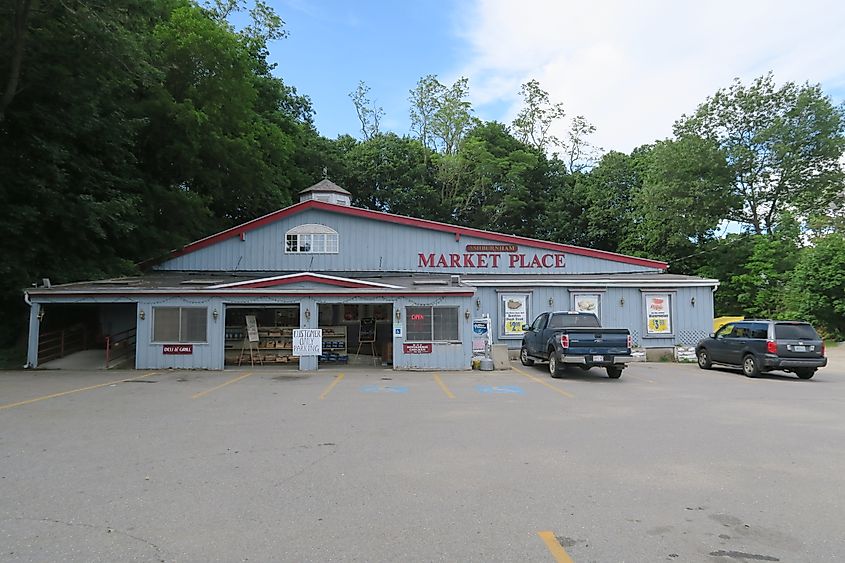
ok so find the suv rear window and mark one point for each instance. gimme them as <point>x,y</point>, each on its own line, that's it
<point>795,331</point>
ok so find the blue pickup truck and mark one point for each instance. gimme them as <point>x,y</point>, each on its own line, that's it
<point>565,338</point>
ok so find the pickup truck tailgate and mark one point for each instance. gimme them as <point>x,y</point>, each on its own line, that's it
<point>597,340</point>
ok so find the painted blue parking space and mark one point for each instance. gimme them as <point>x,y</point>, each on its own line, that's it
<point>500,389</point>
<point>383,389</point>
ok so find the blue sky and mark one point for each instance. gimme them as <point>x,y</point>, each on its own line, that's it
<point>631,68</point>
<point>389,45</point>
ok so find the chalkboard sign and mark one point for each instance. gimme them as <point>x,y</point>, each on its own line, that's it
<point>367,332</point>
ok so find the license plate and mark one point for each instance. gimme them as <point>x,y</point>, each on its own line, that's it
<point>799,348</point>
<point>598,358</point>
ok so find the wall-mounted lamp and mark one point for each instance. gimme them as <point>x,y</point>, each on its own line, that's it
<point>466,314</point>
<point>307,314</point>
<point>142,315</point>
<point>478,303</point>
<point>692,301</point>
<point>398,314</point>
<point>621,301</point>
<point>40,314</point>
<point>551,301</point>
<point>215,314</point>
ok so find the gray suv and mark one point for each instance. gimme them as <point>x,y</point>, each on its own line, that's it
<point>763,345</point>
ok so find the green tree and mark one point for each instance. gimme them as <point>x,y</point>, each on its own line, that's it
<point>606,198</point>
<point>685,195</point>
<point>441,115</point>
<point>504,186</point>
<point>392,174</point>
<point>143,125</point>
<point>816,290</point>
<point>369,114</point>
<point>532,125</point>
<point>761,286</point>
<point>783,146</point>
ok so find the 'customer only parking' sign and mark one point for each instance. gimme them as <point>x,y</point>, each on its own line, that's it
<point>307,341</point>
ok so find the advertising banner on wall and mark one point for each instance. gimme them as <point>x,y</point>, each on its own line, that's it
<point>481,336</point>
<point>587,303</point>
<point>658,319</point>
<point>514,313</point>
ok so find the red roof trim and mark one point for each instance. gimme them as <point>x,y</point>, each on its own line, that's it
<point>413,222</point>
<point>376,293</point>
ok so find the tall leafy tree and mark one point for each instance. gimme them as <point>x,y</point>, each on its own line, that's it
<point>504,186</point>
<point>761,285</point>
<point>538,117</point>
<point>136,126</point>
<point>532,125</point>
<point>783,145</point>
<point>816,290</point>
<point>369,114</point>
<point>441,115</point>
<point>392,174</point>
<point>684,197</point>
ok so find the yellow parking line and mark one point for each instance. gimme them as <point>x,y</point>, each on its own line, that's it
<point>63,393</point>
<point>332,385</point>
<point>443,386</point>
<point>555,548</point>
<point>541,382</point>
<point>207,391</point>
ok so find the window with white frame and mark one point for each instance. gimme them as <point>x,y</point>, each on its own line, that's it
<point>431,324</point>
<point>311,239</point>
<point>180,324</point>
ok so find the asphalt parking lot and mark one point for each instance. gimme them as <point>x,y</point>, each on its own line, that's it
<point>668,463</point>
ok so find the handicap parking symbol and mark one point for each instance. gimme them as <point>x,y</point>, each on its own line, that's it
<point>383,389</point>
<point>500,389</point>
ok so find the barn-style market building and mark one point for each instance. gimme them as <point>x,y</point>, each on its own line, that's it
<point>387,289</point>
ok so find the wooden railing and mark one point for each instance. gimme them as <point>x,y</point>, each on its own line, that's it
<point>59,343</point>
<point>120,347</point>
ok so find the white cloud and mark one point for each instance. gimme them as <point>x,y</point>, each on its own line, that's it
<point>633,68</point>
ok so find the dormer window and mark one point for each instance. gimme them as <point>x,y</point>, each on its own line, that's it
<point>311,239</point>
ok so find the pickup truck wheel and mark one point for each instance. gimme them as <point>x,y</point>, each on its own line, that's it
<point>805,373</point>
<point>749,366</point>
<point>523,357</point>
<point>614,372</point>
<point>554,365</point>
<point>704,359</point>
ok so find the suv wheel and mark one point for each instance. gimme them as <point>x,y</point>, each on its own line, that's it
<point>704,359</point>
<point>805,373</point>
<point>554,366</point>
<point>523,357</point>
<point>749,366</point>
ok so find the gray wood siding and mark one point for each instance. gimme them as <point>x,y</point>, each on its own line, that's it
<point>207,355</point>
<point>690,323</point>
<point>367,245</point>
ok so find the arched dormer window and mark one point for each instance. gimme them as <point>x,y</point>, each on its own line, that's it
<point>311,239</point>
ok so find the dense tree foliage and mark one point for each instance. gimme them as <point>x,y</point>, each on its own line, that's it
<point>783,146</point>
<point>131,127</point>
<point>136,126</point>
